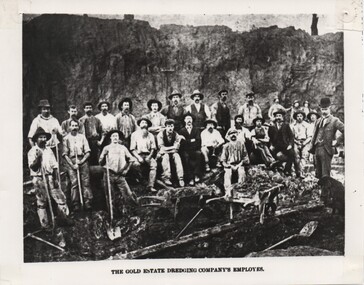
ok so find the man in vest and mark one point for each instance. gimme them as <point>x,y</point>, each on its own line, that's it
<point>169,142</point>
<point>200,111</point>
<point>155,116</point>
<point>323,144</point>
<point>191,150</point>
<point>175,110</point>
<point>108,121</point>
<point>221,113</point>
<point>125,121</point>
<point>72,112</point>
<point>250,111</point>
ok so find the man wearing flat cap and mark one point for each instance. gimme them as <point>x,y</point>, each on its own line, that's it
<point>125,121</point>
<point>250,111</point>
<point>108,120</point>
<point>155,116</point>
<point>200,111</point>
<point>323,143</point>
<point>220,112</point>
<point>175,110</point>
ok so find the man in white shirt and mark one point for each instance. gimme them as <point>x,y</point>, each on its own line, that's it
<point>200,111</point>
<point>108,121</point>
<point>250,111</point>
<point>211,142</point>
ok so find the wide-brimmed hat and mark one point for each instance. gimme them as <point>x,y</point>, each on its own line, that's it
<point>188,114</point>
<point>144,119</point>
<point>299,112</point>
<point>250,93</point>
<point>313,113</point>
<point>108,135</point>
<point>280,111</point>
<point>175,92</point>
<point>169,122</point>
<point>232,131</point>
<point>258,119</point>
<point>197,92</point>
<point>238,116</point>
<point>104,102</point>
<point>120,106</point>
<point>44,104</point>
<point>208,121</point>
<point>325,102</point>
<point>151,101</point>
<point>40,131</point>
<point>296,101</point>
<point>223,90</point>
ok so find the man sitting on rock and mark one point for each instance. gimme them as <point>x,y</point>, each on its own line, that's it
<point>155,116</point>
<point>169,142</point>
<point>211,142</point>
<point>233,157</point>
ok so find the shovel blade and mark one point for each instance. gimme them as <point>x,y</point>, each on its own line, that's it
<point>308,229</point>
<point>113,233</point>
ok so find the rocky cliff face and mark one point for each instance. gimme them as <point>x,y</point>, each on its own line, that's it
<point>70,59</point>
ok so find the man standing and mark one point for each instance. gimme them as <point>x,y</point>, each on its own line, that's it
<point>76,152</point>
<point>125,121</point>
<point>72,111</point>
<point>233,157</point>
<point>143,147</point>
<point>250,111</point>
<point>191,150</point>
<point>295,108</point>
<point>200,111</point>
<point>282,142</point>
<point>220,112</point>
<point>157,119</point>
<point>275,107</point>
<point>323,144</point>
<point>302,139</point>
<point>169,142</point>
<point>93,131</point>
<point>108,121</point>
<point>42,163</point>
<point>175,110</point>
<point>47,122</point>
<point>211,142</point>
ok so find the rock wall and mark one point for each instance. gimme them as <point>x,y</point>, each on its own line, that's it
<point>70,59</point>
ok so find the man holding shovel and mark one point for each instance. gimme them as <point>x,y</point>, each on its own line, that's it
<point>76,151</point>
<point>43,167</point>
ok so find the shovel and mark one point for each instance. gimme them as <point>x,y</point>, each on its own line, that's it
<point>79,180</point>
<point>48,197</point>
<point>112,232</point>
<point>306,231</point>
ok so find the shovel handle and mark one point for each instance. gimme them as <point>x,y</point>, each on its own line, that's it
<point>48,196</point>
<point>78,179</point>
<point>46,242</point>
<point>58,168</point>
<point>282,241</point>
<point>109,190</point>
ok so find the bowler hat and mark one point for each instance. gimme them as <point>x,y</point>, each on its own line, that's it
<point>44,103</point>
<point>222,90</point>
<point>325,102</point>
<point>280,111</point>
<point>120,106</point>
<point>144,119</point>
<point>104,102</point>
<point>299,112</point>
<point>151,101</point>
<point>108,135</point>
<point>209,121</point>
<point>40,131</point>
<point>258,119</point>
<point>197,92</point>
<point>175,92</point>
<point>313,113</point>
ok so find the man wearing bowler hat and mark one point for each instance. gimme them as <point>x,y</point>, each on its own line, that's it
<point>220,112</point>
<point>200,111</point>
<point>108,121</point>
<point>175,110</point>
<point>250,111</point>
<point>125,121</point>
<point>155,116</point>
<point>323,143</point>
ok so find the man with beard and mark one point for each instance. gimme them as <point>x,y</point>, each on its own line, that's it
<point>190,149</point>
<point>175,110</point>
<point>250,111</point>
<point>200,111</point>
<point>42,161</point>
<point>275,107</point>
<point>323,144</point>
<point>72,111</point>
<point>143,147</point>
<point>282,142</point>
<point>125,121</point>
<point>76,152</point>
<point>155,116</point>
<point>220,112</point>
<point>93,131</point>
<point>211,142</point>
<point>47,122</point>
<point>295,108</point>
<point>169,142</point>
<point>233,157</point>
<point>244,134</point>
<point>302,139</point>
<point>108,121</point>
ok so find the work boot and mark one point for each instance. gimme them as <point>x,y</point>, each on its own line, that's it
<point>167,182</point>
<point>152,189</point>
<point>191,183</point>
<point>197,179</point>
<point>181,183</point>
<point>218,164</point>
<point>207,167</point>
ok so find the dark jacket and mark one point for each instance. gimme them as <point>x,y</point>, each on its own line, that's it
<point>282,138</point>
<point>193,140</point>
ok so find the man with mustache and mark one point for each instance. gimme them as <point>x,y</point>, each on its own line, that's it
<point>143,147</point>
<point>175,110</point>
<point>323,143</point>
<point>108,121</point>
<point>244,134</point>
<point>190,149</point>
<point>275,107</point>
<point>250,111</point>
<point>72,112</point>
<point>220,112</point>
<point>155,116</point>
<point>93,132</point>
<point>233,157</point>
<point>125,121</point>
<point>41,160</point>
<point>200,111</point>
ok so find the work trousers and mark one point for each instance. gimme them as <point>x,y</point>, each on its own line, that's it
<point>192,163</point>
<point>289,157</point>
<point>263,151</point>
<point>166,159</point>
<point>323,162</point>
<point>152,166</point>
<point>118,182</point>
<point>210,151</point>
<point>301,156</point>
<point>42,201</point>
<point>227,177</point>
<point>95,151</point>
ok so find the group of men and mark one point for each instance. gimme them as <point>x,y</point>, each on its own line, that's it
<point>189,140</point>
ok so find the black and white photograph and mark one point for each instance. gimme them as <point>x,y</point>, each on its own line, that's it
<point>182,136</point>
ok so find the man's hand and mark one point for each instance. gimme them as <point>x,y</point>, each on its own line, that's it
<point>289,147</point>
<point>334,143</point>
<point>75,167</point>
<point>140,159</point>
<point>272,148</point>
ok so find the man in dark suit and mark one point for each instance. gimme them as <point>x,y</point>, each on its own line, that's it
<point>191,150</point>
<point>323,143</point>
<point>282,142</point>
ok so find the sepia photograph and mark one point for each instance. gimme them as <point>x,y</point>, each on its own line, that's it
<point>178,136</point>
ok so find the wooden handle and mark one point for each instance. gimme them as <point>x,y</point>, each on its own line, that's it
<point>279,243</point>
